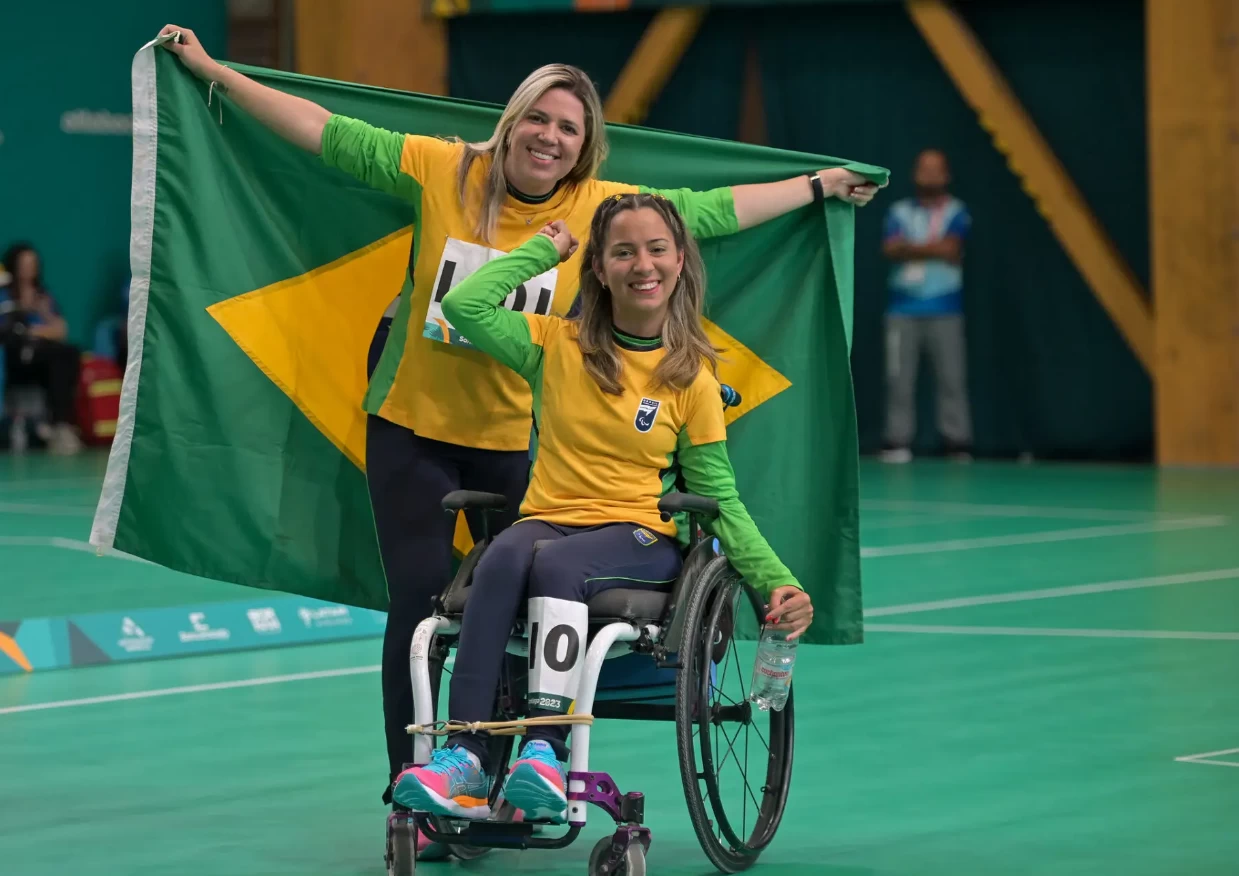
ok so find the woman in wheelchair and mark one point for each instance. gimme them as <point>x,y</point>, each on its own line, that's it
<point>625,396</point>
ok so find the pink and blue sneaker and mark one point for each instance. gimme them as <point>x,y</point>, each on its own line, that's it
<point>538,784</point>
<point>452,784</point>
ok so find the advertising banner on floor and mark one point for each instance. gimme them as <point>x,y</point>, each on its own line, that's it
<point>151,633</point>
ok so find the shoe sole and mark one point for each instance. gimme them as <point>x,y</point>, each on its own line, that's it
<point>419,798</point>
<point>532,793</point>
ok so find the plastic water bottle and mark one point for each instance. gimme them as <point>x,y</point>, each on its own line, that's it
<point>772,671</point>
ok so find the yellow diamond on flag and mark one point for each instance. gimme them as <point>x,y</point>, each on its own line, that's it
<point>310,335</point>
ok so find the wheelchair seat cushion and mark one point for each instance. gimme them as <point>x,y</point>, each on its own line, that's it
<point>616,603</point>
<point>646,605</point>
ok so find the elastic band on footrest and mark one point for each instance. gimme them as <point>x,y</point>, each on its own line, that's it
<point>495,728</point>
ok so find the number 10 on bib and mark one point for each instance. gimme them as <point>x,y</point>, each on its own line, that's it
<point>460,259</point>
<point>558,631</point>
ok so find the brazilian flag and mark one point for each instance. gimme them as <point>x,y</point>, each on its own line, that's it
<point>259,276</point>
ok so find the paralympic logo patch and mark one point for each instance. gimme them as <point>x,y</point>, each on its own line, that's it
<point>646,412</point>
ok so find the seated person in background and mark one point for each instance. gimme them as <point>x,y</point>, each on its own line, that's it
<point>624,395</point>
<point>35,350</point>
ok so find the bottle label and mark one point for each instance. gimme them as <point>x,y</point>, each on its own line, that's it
<point>779,674</point>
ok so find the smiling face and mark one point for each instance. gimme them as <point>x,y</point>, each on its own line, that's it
<point>546,143</point>
<point>640,265</point>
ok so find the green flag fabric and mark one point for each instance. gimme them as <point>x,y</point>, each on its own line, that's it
<point>259,276</point>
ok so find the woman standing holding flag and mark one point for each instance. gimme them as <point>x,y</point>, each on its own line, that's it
<point>443,415</point>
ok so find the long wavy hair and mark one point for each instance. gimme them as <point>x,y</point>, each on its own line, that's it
<point>539,82</point>
<point>683,337</point>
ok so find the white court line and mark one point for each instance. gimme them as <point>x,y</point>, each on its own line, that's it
<point>193,688</point>
<point>1205,758</point>
<point>1055,592</point>
<point>867,525</point>
<point>1063,513</point>
<point>1074,534</point>
<point>1228,763</point>
<point>1051,631</point>
<point>66,510</point>
<point>67,544</point>
<point>55,483</point>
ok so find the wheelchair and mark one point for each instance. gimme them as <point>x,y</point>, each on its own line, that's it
<point>688,633</point>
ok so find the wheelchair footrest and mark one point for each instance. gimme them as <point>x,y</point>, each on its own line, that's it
<point>601,790</point>
<point>492,834</point>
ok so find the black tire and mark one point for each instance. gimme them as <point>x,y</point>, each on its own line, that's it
<point>716,607</point>
<point>401,857</point>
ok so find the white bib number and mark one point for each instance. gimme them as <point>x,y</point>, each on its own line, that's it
<point>558,631</point>
<point>460,259</point>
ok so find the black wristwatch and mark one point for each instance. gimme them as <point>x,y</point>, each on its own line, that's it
<point>819,194</point>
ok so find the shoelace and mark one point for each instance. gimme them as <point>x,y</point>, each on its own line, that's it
<point>449,761</point>
<point>543,754</point>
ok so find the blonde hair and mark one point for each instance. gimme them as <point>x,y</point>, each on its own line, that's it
<point>539,82</point>
<point>683,336</point>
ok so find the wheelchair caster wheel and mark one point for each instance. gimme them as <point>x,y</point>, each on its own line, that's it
<point>631,864</point>
<point>401,857</point>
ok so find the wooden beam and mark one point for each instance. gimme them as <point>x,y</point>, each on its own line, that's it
<point>390,43</point>
<point>1043,177</point>
<point>1193,124</point>
<point>652,63</point>
<point>752,100</point>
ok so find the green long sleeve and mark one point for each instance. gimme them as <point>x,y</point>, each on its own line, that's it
<point>707,472</point>
<point>474,308</point>
<point>371,155</point>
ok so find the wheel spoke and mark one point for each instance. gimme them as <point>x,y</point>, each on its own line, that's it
<point>757,730</point>
<point>744,824</point>
<point>744,775</point>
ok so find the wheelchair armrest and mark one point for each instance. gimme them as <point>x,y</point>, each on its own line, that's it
<point>458,499</point>
<point>675,503</point>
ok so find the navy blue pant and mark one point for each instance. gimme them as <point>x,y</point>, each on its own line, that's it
<point>408,477</point>
<point>52,365</point>
<point>580,563</point>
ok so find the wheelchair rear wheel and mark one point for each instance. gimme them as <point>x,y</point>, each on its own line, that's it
<point>718,730</point>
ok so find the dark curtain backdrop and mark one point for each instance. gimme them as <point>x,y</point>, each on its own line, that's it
<point>1048,371</point>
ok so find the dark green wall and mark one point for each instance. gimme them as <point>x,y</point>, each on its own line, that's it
<point>1048,371</point>
<point>68,193</point>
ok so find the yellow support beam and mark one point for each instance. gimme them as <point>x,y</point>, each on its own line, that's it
<point>652,62</point>
<point>1044,179</point>
<point>1193,125</point>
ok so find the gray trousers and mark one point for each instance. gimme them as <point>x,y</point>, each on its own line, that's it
<point>943,338</point>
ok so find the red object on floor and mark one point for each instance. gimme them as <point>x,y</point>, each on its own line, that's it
<point>98,399</point>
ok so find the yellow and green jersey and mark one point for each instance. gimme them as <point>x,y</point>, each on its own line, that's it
<point>431,379</point>
<point>604,458</point>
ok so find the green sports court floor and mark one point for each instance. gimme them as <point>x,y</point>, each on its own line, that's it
<point>1050,685</point>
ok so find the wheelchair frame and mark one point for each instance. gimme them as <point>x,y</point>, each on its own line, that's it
<point>625,851</point>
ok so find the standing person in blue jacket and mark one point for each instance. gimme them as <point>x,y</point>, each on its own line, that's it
<point>924,239</point>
